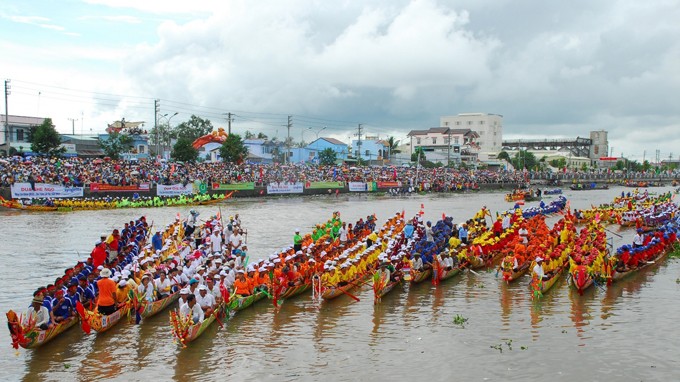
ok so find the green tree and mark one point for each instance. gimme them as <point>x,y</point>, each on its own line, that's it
<point>503,155</point>
<point>619,165</point>
<point>161,136</point>
<point>194,128</point>
<point>416,153</point>
<point>184,151</point>
<point>115,144</point>
<point>327,156</point>
<point>45,139</point>
<point>261,136</point>
<point>233,149</point>
<point>559,163</point>
<point>393,145</point>
<point>249,135</point>
<point>524,159</point>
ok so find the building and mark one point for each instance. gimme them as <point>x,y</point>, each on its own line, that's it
<point>457,145</point>
<point>489,127</point>
<point>312,150</point>
<point>599,146</point>
<point>83,146</point>
<point>373,150</point>
<point>17,132</point>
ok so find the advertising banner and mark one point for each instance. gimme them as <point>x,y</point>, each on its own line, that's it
<point>174,189</point>
<point>233,186</point>
<point>324,185</point>
<point>101,187</point>
<point>285,188</point>
<point>389,184</point>
<point>43,190</point>
<point>358,187</point>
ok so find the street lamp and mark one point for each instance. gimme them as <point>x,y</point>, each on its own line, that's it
<point>159,138</point>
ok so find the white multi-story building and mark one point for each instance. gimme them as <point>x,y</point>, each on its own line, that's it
<point>489,127</point>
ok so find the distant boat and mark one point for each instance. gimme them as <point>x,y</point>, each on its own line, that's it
<point>588,186</point>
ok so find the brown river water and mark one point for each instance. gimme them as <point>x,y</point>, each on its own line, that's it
<point>626,332</point>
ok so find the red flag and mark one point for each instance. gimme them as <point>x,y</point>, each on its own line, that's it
<point>83,322</point>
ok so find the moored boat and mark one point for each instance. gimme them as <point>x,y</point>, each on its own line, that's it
<point>34,337</point>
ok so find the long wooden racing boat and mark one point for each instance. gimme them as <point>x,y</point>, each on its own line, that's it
<point>294,291</point>
<point>541,287</point>
<point>101,322</point>
<point>381,287</point>
<point>337,291</point>
<point>618,276</point>
<point>237,302</point>
<point>444,274</point>
<point>185,331</point>
<point>420,276</point>
<point>34,337</point>
<point>149,309</point>
<point>512,275</point>
<point>13,204</point>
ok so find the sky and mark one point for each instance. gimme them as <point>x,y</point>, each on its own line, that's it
<point>551,68</point>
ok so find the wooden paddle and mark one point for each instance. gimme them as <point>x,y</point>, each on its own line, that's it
<point>350,295</point>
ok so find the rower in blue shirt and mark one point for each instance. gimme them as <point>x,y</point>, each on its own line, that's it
<point>157,241</point>
<point>463,233</point>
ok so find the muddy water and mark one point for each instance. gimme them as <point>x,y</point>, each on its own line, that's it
<point>626,331</point>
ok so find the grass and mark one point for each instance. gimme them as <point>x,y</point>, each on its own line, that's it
<point>460,320</point>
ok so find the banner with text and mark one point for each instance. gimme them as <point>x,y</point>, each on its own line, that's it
<point>174,189</point>
<point>358,187</point>
<point>285,188</point>
<point>324,185</point>
<point>43,190</point>
<point>101,187</point>
<point>389,184</point>
<point>233,186</point>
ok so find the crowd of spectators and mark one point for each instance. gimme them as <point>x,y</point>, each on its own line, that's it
<point>82,172</point>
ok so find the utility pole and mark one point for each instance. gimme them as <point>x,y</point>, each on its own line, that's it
<point>289,125</point>
<point>156,109</point>
<point>7,93</point>
<point>73,125</point>
<point>359,133</point>
<point>229,123</point>
<point>448,150</point>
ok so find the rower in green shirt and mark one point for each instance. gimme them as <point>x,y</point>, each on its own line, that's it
<point>297,240</point>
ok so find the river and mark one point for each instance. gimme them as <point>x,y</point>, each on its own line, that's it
<point>623,332</point>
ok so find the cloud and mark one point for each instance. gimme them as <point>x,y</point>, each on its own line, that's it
<point>40,21</point>
<point>125,19</point>
<point>160,6</point>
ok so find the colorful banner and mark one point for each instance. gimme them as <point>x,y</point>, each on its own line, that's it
<point>233,186</point>
<point>43,190</point>
<point>101,187</point>
<point>388,184</point>
<point>358,186</point>
<point>174,189</point>
<point>324,185</point>
<point>285,188</point>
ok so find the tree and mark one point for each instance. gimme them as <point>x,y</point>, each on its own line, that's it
<point>233,149</point>
<point>115,144</point>
<point>249,135</point>
<point>194,128</point>
<point>261,136</point>
<point>524,159</point>
<point>45,139</point>
<point>184,151</point>
<point>393,144</point>
<point>559,163</point>
<point>161,136</point>
<point>503,155</point>
<point>418,152</point>
<point>327,156</point>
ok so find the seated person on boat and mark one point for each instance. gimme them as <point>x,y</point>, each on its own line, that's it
<point>538,269</point>
<point>205,300</point>
<point>36,315</point>
<point>192,309</point>
<point>62,308</point>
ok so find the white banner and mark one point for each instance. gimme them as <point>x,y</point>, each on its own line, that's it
<point>358,187</point>
<point>285,188</point>
<point>43,190</point>
<point>174,189</point>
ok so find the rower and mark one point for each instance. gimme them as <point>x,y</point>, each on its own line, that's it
<point>297,240</point>
<point>205,300</point>
<point>106,300</point>
<point>192,310</point>
<point>538,269</point>
<point>37,315</point>
<point>146,289</point>
<point>62,309</point>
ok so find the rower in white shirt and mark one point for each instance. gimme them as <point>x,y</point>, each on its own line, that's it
<point>192,309</point>
<point>37,315</point>
<point>205,300</point>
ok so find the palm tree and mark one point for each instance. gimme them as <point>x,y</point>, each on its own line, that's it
<point>393,144</point>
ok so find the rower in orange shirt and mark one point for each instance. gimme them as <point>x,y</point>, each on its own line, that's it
<point>241,285</point>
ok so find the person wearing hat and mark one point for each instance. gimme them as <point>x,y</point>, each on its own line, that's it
<point>538,269</point>
<point>106,299</point>
<point>163,285</point>
<point>183,294</point>
<point>124,291</point>
<point>638,239</point>
<point>146,289</point>
<point>297,240</point>
<point>241,285</point>
<point>36,315</point>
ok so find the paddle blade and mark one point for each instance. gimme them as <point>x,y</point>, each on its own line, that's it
<point>83,321</point>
